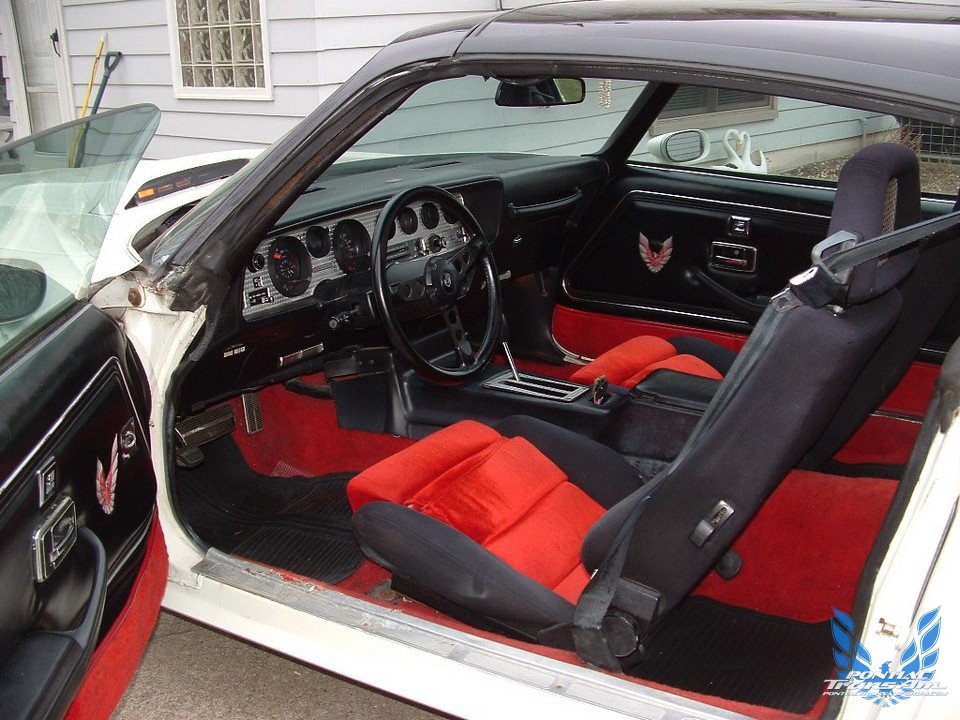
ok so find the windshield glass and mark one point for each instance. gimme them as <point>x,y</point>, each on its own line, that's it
<point>461,115</point>
<point>58,193</point>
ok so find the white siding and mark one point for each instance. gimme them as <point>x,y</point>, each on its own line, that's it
<point>314,46</point>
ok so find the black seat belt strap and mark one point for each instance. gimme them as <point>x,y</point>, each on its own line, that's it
<point>825,282</point>
<point>589,636</point>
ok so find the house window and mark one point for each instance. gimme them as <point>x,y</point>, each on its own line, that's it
<point>220,49</point>
<point>702,107</point>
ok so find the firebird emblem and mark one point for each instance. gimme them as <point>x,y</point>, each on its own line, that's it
<point>655,260</point>
<point>107,483</point>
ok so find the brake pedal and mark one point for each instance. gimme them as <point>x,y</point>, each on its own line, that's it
<point>252,413</point>
<point>196,430</point>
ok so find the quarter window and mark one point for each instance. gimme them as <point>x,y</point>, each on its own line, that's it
<point>743,132</point>
<point>219,49</point>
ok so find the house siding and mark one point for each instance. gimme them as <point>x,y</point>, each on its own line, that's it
<point>315,45</point>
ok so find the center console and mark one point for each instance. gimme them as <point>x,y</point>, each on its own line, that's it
<point>374,391</point>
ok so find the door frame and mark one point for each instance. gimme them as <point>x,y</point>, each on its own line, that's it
<point>20,115</point>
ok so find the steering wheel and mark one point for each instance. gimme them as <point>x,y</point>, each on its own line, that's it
<point>435,282</point>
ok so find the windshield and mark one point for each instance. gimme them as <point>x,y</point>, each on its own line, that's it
<point>461,115</point>
<point>58,192</point>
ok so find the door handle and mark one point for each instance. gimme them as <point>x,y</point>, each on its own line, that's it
<point>54,537</point>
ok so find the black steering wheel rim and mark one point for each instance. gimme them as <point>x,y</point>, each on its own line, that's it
<point>472,364</point>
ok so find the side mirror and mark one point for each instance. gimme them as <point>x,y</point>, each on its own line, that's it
<point>22,290</point>
<point>540,92</point>
<point>683,147</point>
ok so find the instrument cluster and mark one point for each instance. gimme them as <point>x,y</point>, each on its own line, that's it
<point>287,267</point>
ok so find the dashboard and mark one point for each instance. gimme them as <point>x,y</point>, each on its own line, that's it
<point>291,267</point>
<point>304,292</point>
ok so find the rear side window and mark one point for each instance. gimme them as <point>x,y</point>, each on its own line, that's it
<point>742,132</point>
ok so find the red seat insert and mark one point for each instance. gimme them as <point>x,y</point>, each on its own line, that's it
<point>630,362</point>
<point>501,492</point>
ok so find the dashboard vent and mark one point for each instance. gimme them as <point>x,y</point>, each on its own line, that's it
<point>400,251</point>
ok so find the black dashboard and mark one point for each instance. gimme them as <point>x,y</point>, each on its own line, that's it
<point>304,293</point>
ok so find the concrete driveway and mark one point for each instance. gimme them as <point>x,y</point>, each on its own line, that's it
<point>190,671</point>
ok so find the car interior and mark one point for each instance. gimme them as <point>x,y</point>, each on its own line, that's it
<point>483,372</point>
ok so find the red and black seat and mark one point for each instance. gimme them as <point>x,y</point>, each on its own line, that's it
<point>507,522</point>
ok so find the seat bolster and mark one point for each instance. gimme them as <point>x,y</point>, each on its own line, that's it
<point>451,565</point>
<point>601,472</point>
<point>717,356</point>
<point>686,364</point>
<point>625,360</point>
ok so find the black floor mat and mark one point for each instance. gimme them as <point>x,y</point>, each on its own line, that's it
<point>301,524</point>
<point>715,649</point>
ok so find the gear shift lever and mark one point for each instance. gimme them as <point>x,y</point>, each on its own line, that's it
<point>513,365</point>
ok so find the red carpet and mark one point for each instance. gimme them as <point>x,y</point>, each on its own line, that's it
<point>303,432</point>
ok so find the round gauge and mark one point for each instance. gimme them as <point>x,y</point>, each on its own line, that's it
<point>407,220</point>
<point>351,246</point>
<point>289,266</point>
<point>318,241</point>
<point>257,263</point>
<point>429,215</point>
<point>449,216</point>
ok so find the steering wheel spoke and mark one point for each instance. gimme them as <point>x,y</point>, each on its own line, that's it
<point>458,336</point>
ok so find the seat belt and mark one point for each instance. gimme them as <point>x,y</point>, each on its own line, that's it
<point>825,282</point>
<point>816,287</point>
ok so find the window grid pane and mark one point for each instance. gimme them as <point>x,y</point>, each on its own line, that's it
<point>220,43</point>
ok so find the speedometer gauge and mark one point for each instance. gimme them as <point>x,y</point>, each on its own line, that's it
<point>289,266</point>
<point>351,246</point>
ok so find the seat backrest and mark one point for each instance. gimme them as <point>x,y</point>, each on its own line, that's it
<point>927,293</point>
<point>778,397</point>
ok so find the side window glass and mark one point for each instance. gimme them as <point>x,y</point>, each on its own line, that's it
<point>743,132</point>
<point>58,193</point>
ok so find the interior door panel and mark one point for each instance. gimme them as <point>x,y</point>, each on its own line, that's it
<point>76,503</point>
<point>734,241</point>
<point>728,251</point>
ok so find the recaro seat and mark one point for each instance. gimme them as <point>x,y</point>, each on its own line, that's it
<point>630,362</point>
<point>505,522</point>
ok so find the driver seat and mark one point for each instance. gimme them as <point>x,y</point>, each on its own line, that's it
<point>502,525</point>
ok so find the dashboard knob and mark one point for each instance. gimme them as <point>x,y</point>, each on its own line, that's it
<point>436,243</point>
<point>339,320</point>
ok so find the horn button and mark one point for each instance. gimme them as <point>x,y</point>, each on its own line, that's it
<point>442,281</point>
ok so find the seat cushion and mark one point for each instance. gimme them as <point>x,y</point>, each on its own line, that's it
<point>500,492</point>
<point>630,362</point>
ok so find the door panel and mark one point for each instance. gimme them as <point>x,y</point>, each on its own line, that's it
<point>735,240</point>
<point>76,504</point>
<point>733,245</point>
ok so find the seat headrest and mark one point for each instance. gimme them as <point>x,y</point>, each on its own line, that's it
<point>878,191</point>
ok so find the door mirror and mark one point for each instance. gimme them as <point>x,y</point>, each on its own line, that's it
<point>684,147</point>
<point>22,290</point>
<point>540,92</point>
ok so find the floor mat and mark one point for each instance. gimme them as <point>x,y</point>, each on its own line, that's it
<point>715,649</point>
<point>300,524</point>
